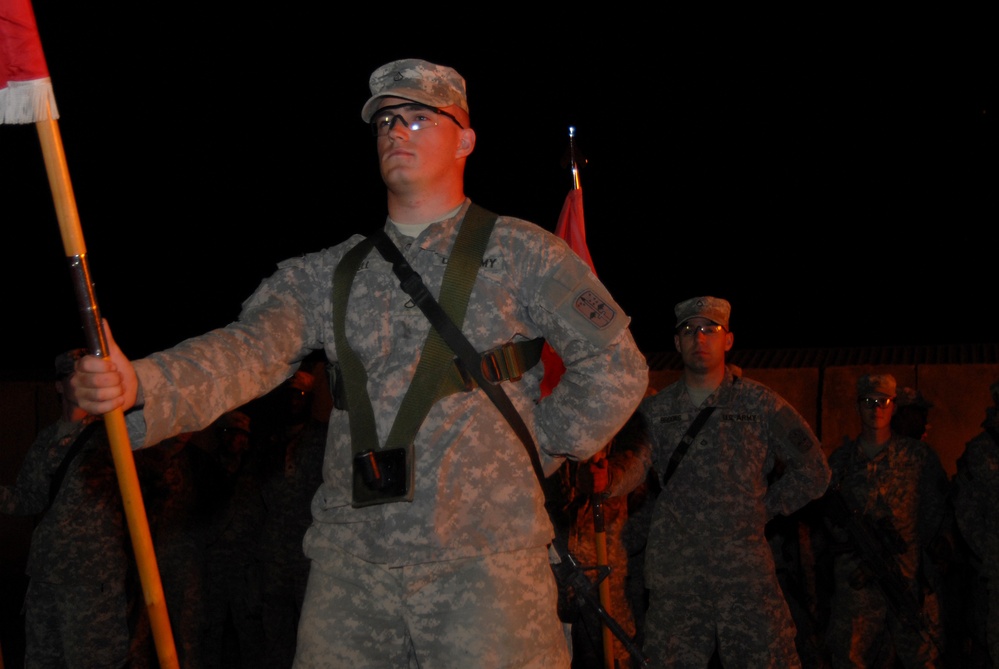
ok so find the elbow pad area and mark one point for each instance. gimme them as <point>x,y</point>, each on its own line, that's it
<point>574,294</point>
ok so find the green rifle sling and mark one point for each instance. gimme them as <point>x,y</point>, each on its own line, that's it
<point>432,380</point>
<point>436,375</point>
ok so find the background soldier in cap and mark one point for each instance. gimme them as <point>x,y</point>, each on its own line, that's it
<point>976,505</point>
<point>912,414</point>
<point>709,568</point>
<point>293,470</point>
<point>233,512</point>
<point>946,566</point>
<point>896,487</point>
<point>454,570</point>
<point>168,473</point>
<point>78,607</point>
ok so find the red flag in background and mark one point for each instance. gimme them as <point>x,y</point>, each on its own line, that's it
<point>571,227</point>
<point>25,88</point>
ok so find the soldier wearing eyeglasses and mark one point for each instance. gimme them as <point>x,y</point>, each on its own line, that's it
<point>451,568</point>
<point>709,567</point>
<point>895,489</point>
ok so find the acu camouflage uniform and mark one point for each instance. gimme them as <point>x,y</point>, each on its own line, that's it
<point>472,545</point>
<point>709,567</point>
<point>976,505</point>
<point>77,607</point>
<point>232,503</point>
<point>902,492</point>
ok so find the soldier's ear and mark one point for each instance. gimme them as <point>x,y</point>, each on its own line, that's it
<point>466,142</point>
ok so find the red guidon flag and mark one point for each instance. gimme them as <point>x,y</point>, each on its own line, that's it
<point>572,229</point>
<point>25,88</point>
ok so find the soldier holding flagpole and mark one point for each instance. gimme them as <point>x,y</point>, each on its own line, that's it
<point>433,548</point>
<point>26,96</point>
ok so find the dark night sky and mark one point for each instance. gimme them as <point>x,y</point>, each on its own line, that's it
<point>836,184</point>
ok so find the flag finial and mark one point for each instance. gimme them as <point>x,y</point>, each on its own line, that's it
<point>573,164</point>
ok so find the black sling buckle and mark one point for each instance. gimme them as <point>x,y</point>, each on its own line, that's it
<point>452,335</point>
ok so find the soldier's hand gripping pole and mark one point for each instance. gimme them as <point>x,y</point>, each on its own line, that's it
<point>121,450</point>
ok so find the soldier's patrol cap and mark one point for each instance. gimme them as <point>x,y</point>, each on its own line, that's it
<point>876,384</point>
<point>912,397</point>
<point>715,309</point>
<point>417,80</point>
<point>65,362</point>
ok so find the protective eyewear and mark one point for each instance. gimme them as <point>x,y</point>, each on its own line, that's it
<point>875,402</point>
<point>413,116</point>
<point>688,330</point>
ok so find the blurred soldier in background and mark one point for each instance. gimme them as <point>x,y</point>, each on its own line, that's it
<point>293,471</point>
<point>945,566</point>
<point>169,474</point>
<point>233,504</point>
<point>976,505</point>
<point>885,507</point>
<point>912,414</point>
<point>83,604</point>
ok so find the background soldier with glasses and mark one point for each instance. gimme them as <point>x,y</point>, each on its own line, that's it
<point>708,566</point>
<point>893,489</point>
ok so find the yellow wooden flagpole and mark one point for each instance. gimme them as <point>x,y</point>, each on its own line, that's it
<point>26,97</point>
<point>121,449</point>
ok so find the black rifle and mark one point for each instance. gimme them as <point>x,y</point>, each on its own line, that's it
<point>878,561</point>
<point>572,579</point>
